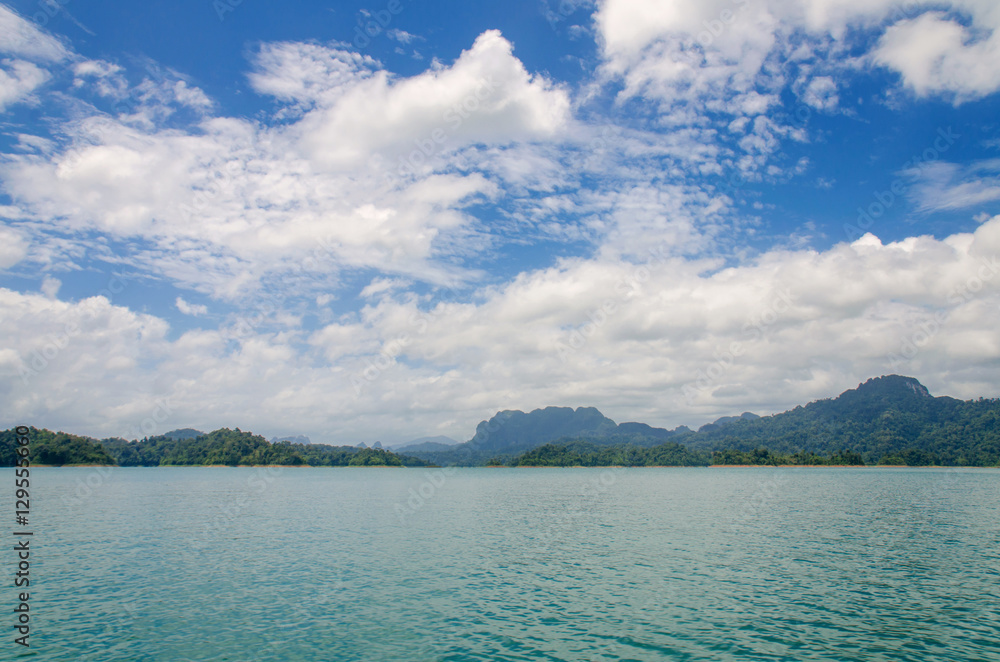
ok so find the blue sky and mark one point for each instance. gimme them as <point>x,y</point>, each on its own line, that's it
<point>379,221</point>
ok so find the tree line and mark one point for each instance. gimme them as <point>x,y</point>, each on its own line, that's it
<point>221,447</point>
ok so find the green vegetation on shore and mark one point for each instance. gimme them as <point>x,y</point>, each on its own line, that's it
<point>587,454</point>
<point>57,448</point>
<point>221,447</point>
<point>886,420</point>
<point>889,420</point>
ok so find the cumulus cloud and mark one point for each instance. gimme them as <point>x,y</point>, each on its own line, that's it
<point>486,96</point>
<point>725,60</point>
<point>377,182</point>
<point>18,79</point>
<point>232,204</point>
<point>190,308</point>
<point>665,340</point>
<point>821,93</point>
<point>13,247</point>
<point>936,54</point>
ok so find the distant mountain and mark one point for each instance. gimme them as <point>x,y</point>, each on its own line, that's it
<point>726,420</point>
<point>890,418</point>
<point>438,443</point>
<point>183,433</point>
<point>511,432</point>
<point>886,420</point>
<point>297,439</point>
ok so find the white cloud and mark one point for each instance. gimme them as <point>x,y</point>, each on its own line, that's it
<point>13,247</point>
<point>402,36</point>
<point>50,286</point>
<point>942,186</point>
<point>699,60</point>
<point>189,308</point>
<point>634,334</point>
<point>377,175</point>
<point>18,79</point>
<point>821,93</point>
<point>381,286</point>
<point>232,204</point>
<point>936,54</point>
<point>193,97</point>
<point>307,73</point>
<point>485,96</point>
<point>19,37</point>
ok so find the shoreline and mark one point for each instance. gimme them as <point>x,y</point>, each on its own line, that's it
<point>576,466</point>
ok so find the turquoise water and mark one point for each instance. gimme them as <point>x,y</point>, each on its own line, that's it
<point>175,564</point>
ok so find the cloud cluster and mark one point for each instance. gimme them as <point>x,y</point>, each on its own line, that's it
<point>379,208</point>
<point>25,52</point>
<point>731,60</point>
<point>359,180</point>
<point>666,341</point>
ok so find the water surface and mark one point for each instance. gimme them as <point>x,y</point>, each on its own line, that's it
<point>514,564</point>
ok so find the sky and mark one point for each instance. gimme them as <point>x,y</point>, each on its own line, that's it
<point>380,220</point>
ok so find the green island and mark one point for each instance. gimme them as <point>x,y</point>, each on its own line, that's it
<point>890,420</point>
<point>222,447</point>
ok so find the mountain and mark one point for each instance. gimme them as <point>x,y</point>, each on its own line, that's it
<point>438,443</point>
<point>297,439</point>
<point>886,420</point>
<point>511,432</point>
<point>890,418</point>
<point>183,433</point>
<point>726,420</point>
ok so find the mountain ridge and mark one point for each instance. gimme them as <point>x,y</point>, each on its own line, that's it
<point>885,416</point>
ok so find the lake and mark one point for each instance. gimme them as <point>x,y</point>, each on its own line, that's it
<point>255,564</point>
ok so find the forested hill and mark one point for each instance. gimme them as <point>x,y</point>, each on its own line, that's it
<point>888,420</point>
<point>891,418</point>
<point>56,448</point>
<point>511,432</point>
<point>221,447</point>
